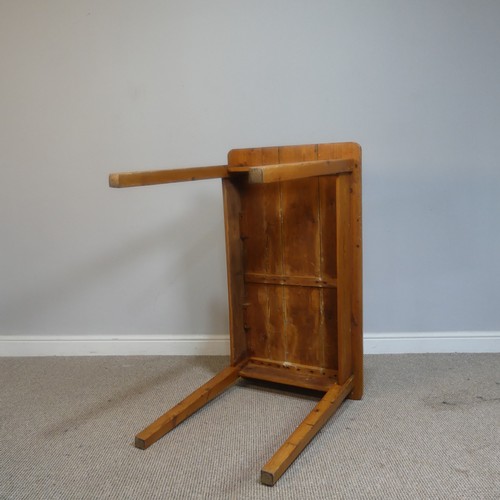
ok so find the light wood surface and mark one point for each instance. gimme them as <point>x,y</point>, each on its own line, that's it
<point>148,178</point>
<point>235,271</point>
<point>297,240</point>
<point>301,259</point>
<point>301,437</point>
<point>353,150</point>
<point>344,277</point>
<point>186,407</point>
<point>293,239</point>
<point>293,374</point>
<point>297,170</point>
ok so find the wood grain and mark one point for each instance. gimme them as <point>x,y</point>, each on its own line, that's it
<point>235,271</point>
<point>303,317</point>
<point>293,243</point>
<point>357,275</point>
<point>293,234</point>
<point>260,232</point>
<point>187,407</point>
<point>274,279</point>
<point>344,277</point>
<point>353,150</point>
<point>327,214</point>
<point>330,332</point>
<point>301,257</point>
<point>304,433</point>
<point>297,170</point>
<point>151,177</point>
<point>299,204</point>
<point>307,377</point>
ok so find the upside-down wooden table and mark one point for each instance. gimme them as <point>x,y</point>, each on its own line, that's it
<point>294,267</point>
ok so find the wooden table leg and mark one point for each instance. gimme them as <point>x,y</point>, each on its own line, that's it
<point>301,437</point>
<point>187,407</point>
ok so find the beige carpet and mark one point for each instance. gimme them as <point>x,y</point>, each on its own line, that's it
<point>427,428</point>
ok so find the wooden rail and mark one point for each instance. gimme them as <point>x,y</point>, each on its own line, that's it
<point>148,178</point>
<point>298,170</point>
<point>303,434</point>
<point>262,174</point>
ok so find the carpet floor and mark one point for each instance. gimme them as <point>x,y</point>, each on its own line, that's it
<point>427,428</point>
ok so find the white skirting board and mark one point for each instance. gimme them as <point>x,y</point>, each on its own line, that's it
<point>428,342</point>
<point>113,345</point>
<point>218,345</point>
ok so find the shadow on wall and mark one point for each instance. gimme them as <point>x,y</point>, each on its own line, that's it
<point>87,297</point>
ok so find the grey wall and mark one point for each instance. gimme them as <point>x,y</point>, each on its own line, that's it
<point>91,87</point>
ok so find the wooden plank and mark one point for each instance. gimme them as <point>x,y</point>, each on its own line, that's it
<point>353,150</point>
<point>301,257</point>
<point>327,187</point>
<point>187,407</point>
<point>298,367</point>
<point>260,216</point>
<point>244,157</point>
<point>294,366</point>
<point>276,347</point>
<point>289,374</point>
<point>148,178</point>
<point>304,433</point>
<point>298,170</point>
<point>234,263</point>
<point>257,239</point>
<point>299,205</point>
<point>260,229</point>
<point>260,232</point>
<point>245,166</point>
<point>256,313</point>
<point>264,321</point>
<point>330,342</point>
<point>328,224</point>
<point>344,277</point>
<point>357,276</point>
<point>271,196</point>
<point>303,317</point>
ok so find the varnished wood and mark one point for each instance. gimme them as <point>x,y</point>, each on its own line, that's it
<point>261,236</point>
<point>271,279</point>
<point>267,173</point>
<point>353,150</point>
<point>235,271</point>
<point>307,377</point>
<point>327,214</point>
<point>294,269</point>
<point>344,276</point>
<point>148,178</point>
<point>301,256</point>
<point>301,437</point>
<point>297,170</point>
<point>357,279</point>
<point>187,407</point>
<point>305,231</point>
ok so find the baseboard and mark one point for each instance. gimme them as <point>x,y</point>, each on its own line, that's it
<point>424,342</point>
<point>124,345</point>
<point>218,345</point>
